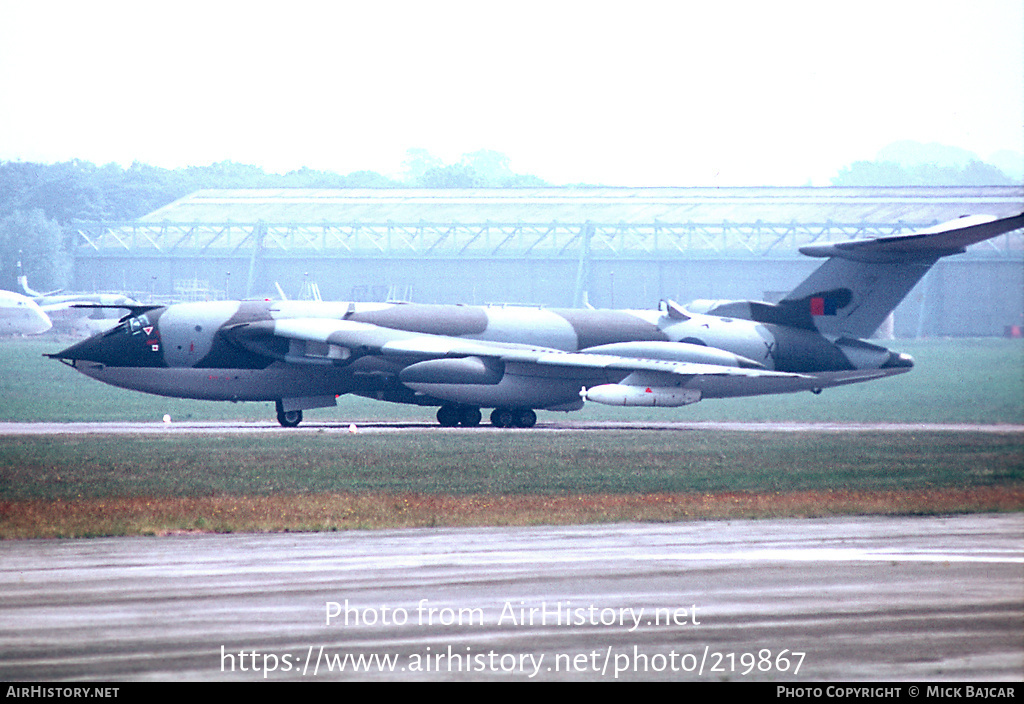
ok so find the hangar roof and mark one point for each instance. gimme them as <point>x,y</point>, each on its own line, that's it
<point>541,222</point>
<point>917,205</point>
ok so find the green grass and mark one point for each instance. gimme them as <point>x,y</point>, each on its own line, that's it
<point>623,462</point>
<point>81,486</point>
<point>962,380</point>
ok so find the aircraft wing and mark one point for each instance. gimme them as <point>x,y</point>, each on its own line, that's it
<point>65,304</point>
<point>57,307</point>
<point>318,341</point>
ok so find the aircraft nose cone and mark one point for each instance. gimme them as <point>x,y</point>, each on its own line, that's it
<point>92,349</point>
<point>898,360</point>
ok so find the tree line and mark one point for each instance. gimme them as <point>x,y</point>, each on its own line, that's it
<point>890,173</point>
<point>81,191</point>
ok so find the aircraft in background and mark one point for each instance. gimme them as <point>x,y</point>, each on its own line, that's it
<point>79,313</point>
<point>516,360</point>
<point>20,315</point>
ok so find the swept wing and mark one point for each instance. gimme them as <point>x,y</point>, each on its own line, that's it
<point>618,379</point>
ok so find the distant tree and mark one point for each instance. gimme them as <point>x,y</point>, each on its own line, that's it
<point>979,173</point>
<point>16,179</point>
<point>525,181</point>
<point>38,243</point>
<point>485,168</point>
<point>417,163</point>
<point>65,192</point>
<point>495,170</point>
<point>369,179</point>
<point>229,174</point>
<point>871,173</point>
<point>492,167</point>
<point>889,173</point>
<point>452,176</point>
<point>143,188</point>
<point>311,178</point>
<point>78,190</point>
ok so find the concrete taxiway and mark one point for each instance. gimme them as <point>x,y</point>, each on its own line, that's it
<point>794,600</point>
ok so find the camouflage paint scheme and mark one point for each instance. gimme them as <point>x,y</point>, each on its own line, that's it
<point>304,354</point>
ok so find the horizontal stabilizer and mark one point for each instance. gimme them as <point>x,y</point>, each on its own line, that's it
<point>939,241</point>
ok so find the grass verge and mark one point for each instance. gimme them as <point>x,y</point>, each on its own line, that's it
<point>82,485</point>
<point>330,512</point>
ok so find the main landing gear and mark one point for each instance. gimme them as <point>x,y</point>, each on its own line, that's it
<point>288,419</point>
<point>513,418</point>
<point>450,416</point>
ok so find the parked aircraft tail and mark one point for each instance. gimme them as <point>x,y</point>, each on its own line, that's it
<point>862,281</point>
<point>32,293</point>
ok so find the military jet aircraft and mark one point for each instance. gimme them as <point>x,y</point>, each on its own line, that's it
<point>516,360</point>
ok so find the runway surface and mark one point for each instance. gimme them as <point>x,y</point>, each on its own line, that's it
<point>836,599</point>
<point>129,428</point>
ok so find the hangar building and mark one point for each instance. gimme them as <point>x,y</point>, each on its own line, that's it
<point>556,247</point>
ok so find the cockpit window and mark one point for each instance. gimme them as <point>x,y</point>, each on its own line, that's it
<point>132,326</point>
<point>117,330</point>
<point>137,325</point>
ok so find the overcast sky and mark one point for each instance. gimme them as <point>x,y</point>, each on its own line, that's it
<point>618,93</point>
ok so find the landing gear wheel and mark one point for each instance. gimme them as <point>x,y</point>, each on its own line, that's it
<point>525,418</point>
<point>448,416</point>
<point>289,419</point>
<point>502,418</point>
<point>467,416</point>
<point>470,417</point>
<point>513,418</point>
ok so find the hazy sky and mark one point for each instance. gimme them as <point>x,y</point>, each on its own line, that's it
<point>620,93</point>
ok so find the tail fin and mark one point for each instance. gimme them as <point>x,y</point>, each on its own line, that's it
<point>32,293</point>
<point>864,280</point>
<point>23,284</point>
